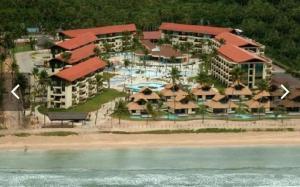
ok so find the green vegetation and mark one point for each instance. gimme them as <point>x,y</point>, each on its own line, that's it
<point>21,48</point>
<point>209,80</point>
<point>22,134</point>
<point>58,133</point>
<point>274,129</point>
<point>92,104</point>
<point>271,22</point>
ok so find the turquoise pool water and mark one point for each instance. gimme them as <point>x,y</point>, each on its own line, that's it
<point>152,85</point>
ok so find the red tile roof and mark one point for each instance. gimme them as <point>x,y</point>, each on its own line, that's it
<point>194,28</point>
<point>233,39</point>
<point>77,42</point>
<point>238,55</point>
<point>79,54</point>
<point>152,35</point>
<point>101,30</point>
<point>82,69</point>
<point>165,50</point>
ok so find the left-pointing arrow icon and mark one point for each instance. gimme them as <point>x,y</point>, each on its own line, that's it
<point>13,91</point>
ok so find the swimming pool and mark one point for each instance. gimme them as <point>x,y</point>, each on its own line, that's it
<point>155,86</point>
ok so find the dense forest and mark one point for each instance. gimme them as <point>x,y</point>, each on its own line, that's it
<point>275,23</point>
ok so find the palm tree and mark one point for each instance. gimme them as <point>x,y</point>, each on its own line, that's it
<point>66,56</point>
<point>2,59</point>
<point>35,73</point>
<point>32,42</point>
<point>262,85</point>
<point>187,48</point>
<point>14,68</point>
<point>150,110</point>
<point>97,51</point>
<point>202,77</point>
<point>127,63</point>
<point>107,47</point>
<point>44,82</point>
<point>146,53</point>
<point>120,109</point>
<point>236,74</point>
<point>279,111</point>
<point>202,110</point>
<point>106,77</point>
<point>175,75</point>
<point>99,81</point>
<point>126,40</point>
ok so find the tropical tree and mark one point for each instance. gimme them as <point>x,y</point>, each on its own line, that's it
<point>44,82</point>
<point>279,111</point>
<point>32,43</point>
<point>35,74</point>
<point>14,68</point>
<point>236,74</point>
<point>146,53</point>
<point>120,109</point>
<point>2,59</point>
<point>202,111</point>
<point>97,51</point>
<point>174,74</point>
<point>127,63</point>
<point>187,48</point>
<point>202,77</point>
<point>99,81</point>
<point>262,85</point>
<point>106,77</point>
<point>107,47</point>
<point>66,56</point>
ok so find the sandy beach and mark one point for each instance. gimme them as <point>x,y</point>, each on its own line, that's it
<point>107,141</point>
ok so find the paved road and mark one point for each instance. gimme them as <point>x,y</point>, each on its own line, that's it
<point>26,62</point>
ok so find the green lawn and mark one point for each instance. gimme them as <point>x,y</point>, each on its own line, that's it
<point>22,48</point>
<point>91,104</point>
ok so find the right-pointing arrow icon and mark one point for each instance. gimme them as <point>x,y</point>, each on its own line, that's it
<point>13,91</point>
<point>286,91</point>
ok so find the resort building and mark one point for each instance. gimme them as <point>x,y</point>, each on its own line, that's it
<point>204,93</point>
<point>254,66</point>
<point>260,103</point>
<point>292,102</point>
<point>221,104</point>
<point>238,92</point>
<point>138,107</point>
<point>145,93</point>
<point>198,35</point>
<point>75,84</point>
<point>232,51</point>
<point>114,38</point>
<point>138,101</point>
<point>164,53</point>
<point>239,41</point>
<point>152,36</point>
<point>76,56</point>
<point>182,105</point>
<point>73,44</point>
<point>171,91</point>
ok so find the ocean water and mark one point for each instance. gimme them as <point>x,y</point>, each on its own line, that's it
<point>252,166</point>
